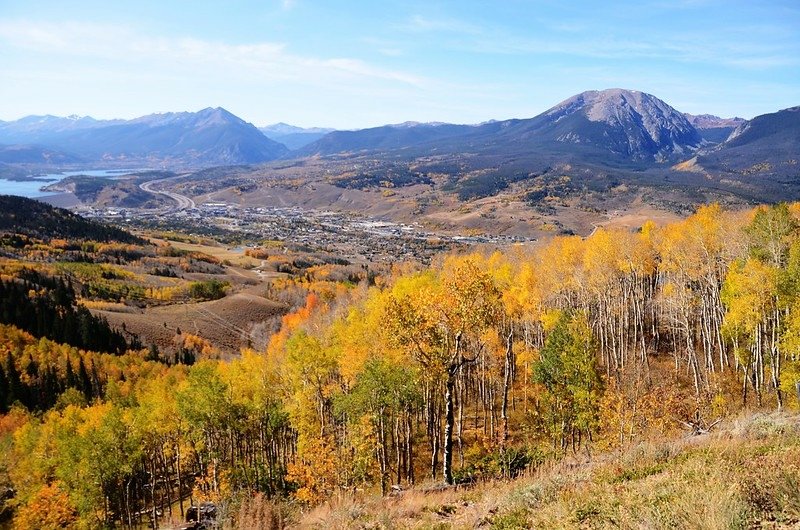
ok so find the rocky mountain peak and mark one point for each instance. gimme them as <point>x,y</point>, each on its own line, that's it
<point>216,116</point>
<point>642,125</point>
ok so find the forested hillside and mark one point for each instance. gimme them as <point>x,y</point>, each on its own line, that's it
<point>47,307</point>
<point>480,367</point>
<point>37,219</point>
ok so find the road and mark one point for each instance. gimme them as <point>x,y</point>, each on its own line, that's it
<point>184,202</point>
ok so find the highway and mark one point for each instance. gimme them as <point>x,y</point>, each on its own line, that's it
<point>184,202</point>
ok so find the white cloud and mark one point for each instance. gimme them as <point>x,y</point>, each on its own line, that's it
<point>266,60</point>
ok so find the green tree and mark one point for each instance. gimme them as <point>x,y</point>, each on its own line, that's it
<point>771,233</point>
<point>384,395</point>
<point>567,369</point>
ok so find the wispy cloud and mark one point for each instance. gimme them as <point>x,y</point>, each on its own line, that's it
<point>265,60</point>
<point>689,48</point>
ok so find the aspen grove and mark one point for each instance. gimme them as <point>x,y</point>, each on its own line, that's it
<point>478,367</point>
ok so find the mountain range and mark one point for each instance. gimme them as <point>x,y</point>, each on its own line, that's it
<point>612,128</point>
<point>293,137</point>
<point>768,145</point>
<point>714,129</point>
<point>615,126</point>
<point>212,136</point>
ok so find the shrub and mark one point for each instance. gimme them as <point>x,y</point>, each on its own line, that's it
<point>208,290</point>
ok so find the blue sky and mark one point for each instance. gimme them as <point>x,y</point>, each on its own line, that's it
<point>358,64</point>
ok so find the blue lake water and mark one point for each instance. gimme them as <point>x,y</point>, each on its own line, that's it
<point>32,188</point>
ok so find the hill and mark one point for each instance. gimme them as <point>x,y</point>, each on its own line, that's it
<point>212,136</point>
<point>543,386</point>
<point>19,215</point>
<point>767,145</point>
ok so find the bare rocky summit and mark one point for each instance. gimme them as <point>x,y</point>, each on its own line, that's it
<point>634,124</point>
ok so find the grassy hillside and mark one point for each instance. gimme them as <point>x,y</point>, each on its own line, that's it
<point>745,474</point>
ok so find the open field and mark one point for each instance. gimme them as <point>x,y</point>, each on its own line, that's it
<point>243,318</point>
<point>234,256</point>
<point>233,322</point>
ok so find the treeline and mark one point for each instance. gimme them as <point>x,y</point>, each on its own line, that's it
<point>479,367</point>
<point>46,307</point>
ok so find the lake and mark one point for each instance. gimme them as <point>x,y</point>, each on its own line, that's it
<point>31,188</point>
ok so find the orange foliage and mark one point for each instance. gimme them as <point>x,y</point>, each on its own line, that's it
<point>202,348</point>
<point>291,322</point>
<point>258,253</point>
<point>316,473</point>
<point>50,508</point>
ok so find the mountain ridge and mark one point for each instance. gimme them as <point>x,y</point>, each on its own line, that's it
<point>612,128</point>
<point>292,136</point>
<point>621,123</point>
<point>211,136</point>
<point>712,128</point>
<point>767,145</point>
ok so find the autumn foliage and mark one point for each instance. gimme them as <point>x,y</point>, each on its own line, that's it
<point>478,367</point>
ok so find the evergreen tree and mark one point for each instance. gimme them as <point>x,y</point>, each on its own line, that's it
<point>84,381</point>
<point>4,391</point>
<point>70,380</point>
<point>15,389</point>
<point>153,353</point>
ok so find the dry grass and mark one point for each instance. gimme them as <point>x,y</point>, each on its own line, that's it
<point>229,323</point>
<point>258,513</point>
<point>747,475</point>
<point>222,253</point>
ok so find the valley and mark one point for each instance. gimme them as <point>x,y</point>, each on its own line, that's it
<point>434,265</point>
<point>595,159</point>
<point>372,198</point>
<point>432,324</point>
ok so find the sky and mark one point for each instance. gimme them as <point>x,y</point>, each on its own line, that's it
<point>355,64</point>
